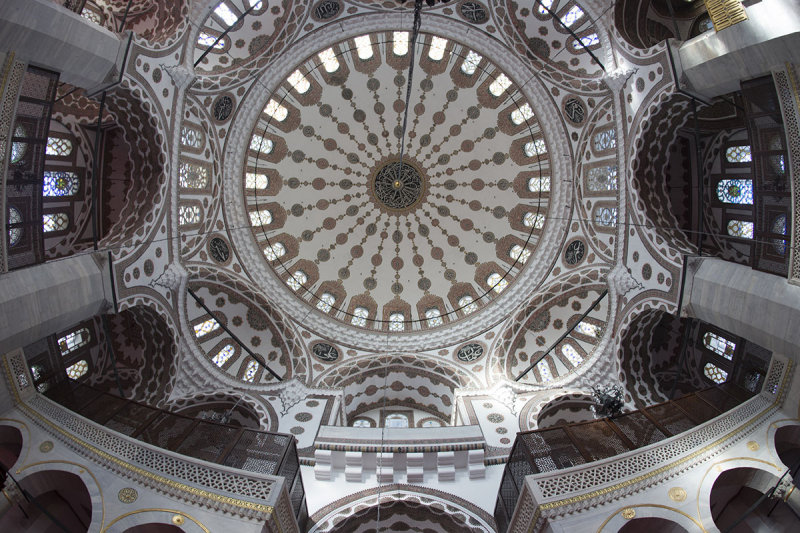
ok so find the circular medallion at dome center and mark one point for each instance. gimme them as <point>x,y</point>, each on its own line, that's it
<point>398,186</point>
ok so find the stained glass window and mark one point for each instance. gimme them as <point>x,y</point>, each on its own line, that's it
<point>363,47</point>
<point>740,228</point>
<point>91,16</point>
<point>467,304</point>
<point>192,176</point>
<point>73,340</point>
<point>470,64</point>
<point>522,114</point>
<point>589,40</point>
<point>274,251</point>
<point>256,3</point>
<point>78,369</point>
<point>714,373</point>
<point>223,355</point>
<point>606,216</point>
<point>499,85</point>
<point>533,220</point>
<point>299,82</point>
<point>250,372</point>
<point>544,370</point>
<point>276,111</point>
<point>58,183</point>
<point>326,301</point>
<point>437,48</point>
<point>58,146</point>
<point>400,46</point>
<point>779,227</point>
<point>602,179</point>
<point>539,184</point>
<point>188,214</point>
<point>55,222</point>
<point>36,372</point>
<point>256,181</point>
<point>572,354</point>
<point>206,327</point>
<point>572,16</point>
<point>396,421</point>
<point>262,217</point>
<point>14,234</point>
<point>434,317</point>
<point>735,191</point>
<point>360,315</point>
<point>361,423</point>
<point>535,147</point>
<point>224,12</point>
<point>545,4</point>
<point>497,282</point>
<point>738,154</point>
<point>205,40</point>
<point>705,24</point>
<point>605,140</point>
<point>519,253</point>
<point>719,345</point>
<point>329,61</point>
<point>297,280</point>
<point>586,328</point>
<point>397,322</point>
<point>18,149</point>
<point>191,137</point>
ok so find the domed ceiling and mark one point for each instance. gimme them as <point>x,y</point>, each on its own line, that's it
<point>385,243</point>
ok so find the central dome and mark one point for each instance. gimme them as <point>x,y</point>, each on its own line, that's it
<point>382,243</point>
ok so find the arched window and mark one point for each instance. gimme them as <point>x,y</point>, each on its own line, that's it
<point>54,222</point>
<point>499,85</point>
<point>738,154</point>
<point>14,233</point>
<point>519,253</point>
<point>274,251</point>
<point>572,16</point>
<point>19,149</point>
<point>602,179</point>
<point>533,220</point>
<point>779,227</point>
<point>58,183</point>
<point>396,420</point>
<point>326,301</point>
<point>719,345</point>
<point>715,373</point>
<point>204,40</point>
<point>191,137</point>
<point>544,370</point>
<point>590,330</point>
<point>297,280</point>
<point>740,228</point>
<point>587,40</point>
<point>299,82</point>
<point>360,315</point>
<point>227,15</point>
<point>58,147</point>
<point>434,317</point>
<point>470,64</point>
<point>539,184</point>
<point>329,61</point>
<point>467,304</point>
<point>250,372</point>
<point>259,143</point>
<point>400,46</point>
<point>735,191</point>
<point>397,322</point>
<point>223,355</point>
<point>205,327</point>
<point>188,214</point>
<point>261,218</point>
<point>36,372</point>
<point>497,282</point>
<point>535,147</point>
<point>522,114</point>
<point>605,140</point>
<point>191,176</point>
<point>572,354</point>
<point>256,181</point>
<point>437,48</point>
<point>705,24</point>
<point>361,423</point>
<point>276,111</point>
<point>363,47</point>
<point>73,340</point>
<point>606,216</point>
<point>544,6</point>
<point>77,370</point>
